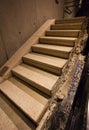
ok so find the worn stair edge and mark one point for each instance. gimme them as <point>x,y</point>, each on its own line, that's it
<point>64,33</point>
<point>31,107</point>
<point>59,51</point>
<point>62,41</point>
<point>5,122</point>
<point>36,79</point>
<point>48,63</point>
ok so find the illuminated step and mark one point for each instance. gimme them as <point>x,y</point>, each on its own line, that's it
<point>59,51</point>
<point>64,33</point>
<point>71,20</point>
<point>39,79</point>
<point>68,26</point>
<point>30,106</point>
<point>49,63</point>
<point>63,41</point>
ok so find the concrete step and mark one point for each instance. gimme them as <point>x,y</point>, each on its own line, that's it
<point>68,26</point>
<point>48,63</point>
<point>54,50</point>
<point>30,106</point>
<point>17,117</point>
<point>64,33</point>
<point>71,20</point>
<point>39,79</point>
<point>5,122</point>
<point>30,90</point>
<point>62,41</point>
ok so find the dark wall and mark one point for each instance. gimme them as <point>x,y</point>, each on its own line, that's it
<point>84,10</point>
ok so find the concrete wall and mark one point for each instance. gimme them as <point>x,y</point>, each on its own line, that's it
<point>19,19</point>
<point>3,56</point>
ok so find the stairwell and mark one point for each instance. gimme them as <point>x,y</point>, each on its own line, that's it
<point>31,79</point>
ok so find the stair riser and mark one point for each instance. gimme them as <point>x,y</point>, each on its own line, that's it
<point>47,67</point>
<point>62,34</point>
<point>67,27</point>
<point>39,87</point>
<point>57,42</point>
<point>51,52</point>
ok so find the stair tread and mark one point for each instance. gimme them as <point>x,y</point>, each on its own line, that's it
<point>74,19</point>
<point>62,40</point>
<point>63,30</point>
<point>50,60</point>
<point>59,38</point>
<point>68,26</point>
<point>5,122</point>
<point>36,78</point>
<point>63,33</point>
<point>31,107</point>
<point>36,94</point>
<point>53,47</point>
<point>71,24</point>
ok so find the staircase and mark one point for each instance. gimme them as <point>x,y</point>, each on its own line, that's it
<point>32,83</point>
